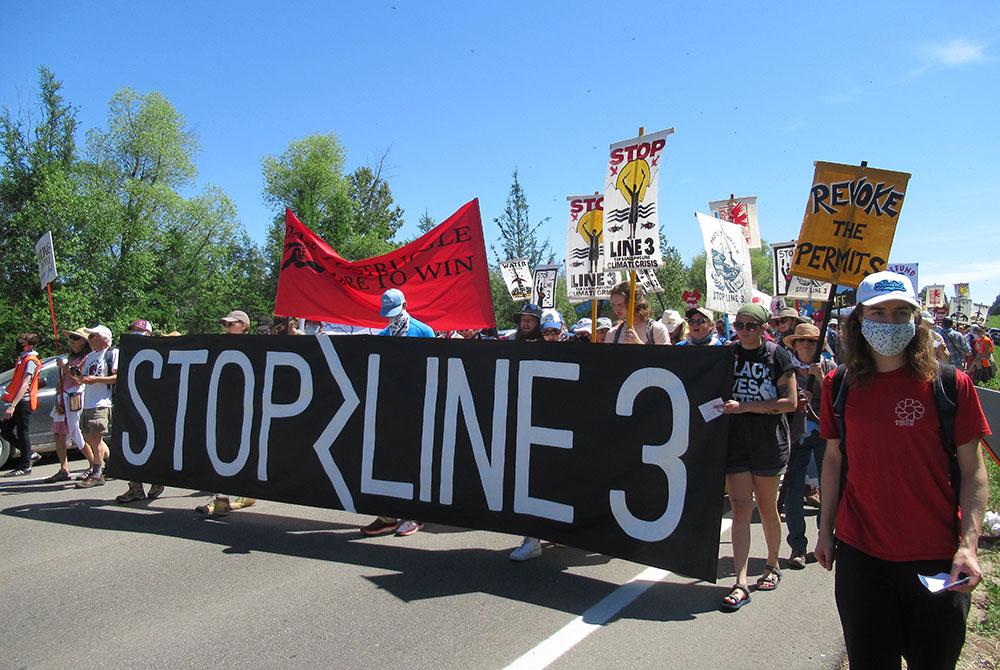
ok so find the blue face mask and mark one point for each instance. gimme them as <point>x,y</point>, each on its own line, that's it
<point>311,329</point>
<point>888,339</point>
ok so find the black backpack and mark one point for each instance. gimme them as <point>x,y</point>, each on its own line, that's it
<point>946,401</point>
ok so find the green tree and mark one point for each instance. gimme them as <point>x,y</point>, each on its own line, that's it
<point>995,307</point>
<point>38,149</point>
<point>375,218</point>
<point>518,237</point>
<point>308,178</point>
<point>425,223</point>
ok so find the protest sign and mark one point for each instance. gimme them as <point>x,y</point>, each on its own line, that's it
<point>474,434</point>
<point>46,255</point>
<point>727,265</point>
<point>849,223</point>
<point>584,250</point>
<point>443,274</point>
<point>649,281</point>
<point>980,312</point>
<point>543,291</point>
<point>908,269</point>
<point>631,224</point>
<point>777,304</point>
<point>961,309</point>
<point>691,298</point>
<point>517,276</point>
<point>781,265</point>
<point>935,296</point>
<point>962,290</point>
<point>742,212</point>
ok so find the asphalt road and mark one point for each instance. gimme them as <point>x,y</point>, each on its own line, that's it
<point>88,583</point>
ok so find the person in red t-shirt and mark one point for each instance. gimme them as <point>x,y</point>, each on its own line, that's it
<point>896,519</point>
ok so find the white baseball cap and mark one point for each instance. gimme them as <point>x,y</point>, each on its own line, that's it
<point>882,286</point>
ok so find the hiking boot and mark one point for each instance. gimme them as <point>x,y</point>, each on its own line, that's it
<point>530,548</point>
<point>91,481</point>
<point>797,561</point>
<point>133,494</point>
<point>217,506</point>
<point>154,491</point>
<point>409,528</point>
<point>241,502</point>
<point>60,476</point>
<point>380,527</point>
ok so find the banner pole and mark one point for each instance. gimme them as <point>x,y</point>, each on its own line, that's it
<point>52,310</point>
<point>593,301</point>
<point>593,320</point>
<point>630,317</point>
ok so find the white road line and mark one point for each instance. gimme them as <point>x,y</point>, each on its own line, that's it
<point>595,617</point>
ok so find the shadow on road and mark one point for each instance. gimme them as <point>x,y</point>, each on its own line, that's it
<point>418,573</point>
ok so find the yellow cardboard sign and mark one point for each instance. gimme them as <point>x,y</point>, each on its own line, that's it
<point>849,223</point>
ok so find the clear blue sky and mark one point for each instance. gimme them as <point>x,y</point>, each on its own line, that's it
<point>463,92</point>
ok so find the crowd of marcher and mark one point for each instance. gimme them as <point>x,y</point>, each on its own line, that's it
<point>892,515</point>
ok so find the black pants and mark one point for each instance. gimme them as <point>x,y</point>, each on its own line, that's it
<point>15,431</point>
<point>888,614</point>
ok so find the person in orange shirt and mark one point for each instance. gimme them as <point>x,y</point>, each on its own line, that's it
<point>982,355</point>
<point>17,413</point>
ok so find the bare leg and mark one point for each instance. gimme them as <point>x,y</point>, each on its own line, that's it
<point>740,486</point>
<point>61,450</point>
<point>766,492</point>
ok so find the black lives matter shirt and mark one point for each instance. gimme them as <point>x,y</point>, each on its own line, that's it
<point>755,377</point>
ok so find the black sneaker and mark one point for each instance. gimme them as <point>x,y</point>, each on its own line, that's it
<point>797,561</point>
<point>19,472</point>
<point>379,527</point>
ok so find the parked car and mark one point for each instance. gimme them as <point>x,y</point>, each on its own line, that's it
<point>40,424</point>
<point>994,334</point>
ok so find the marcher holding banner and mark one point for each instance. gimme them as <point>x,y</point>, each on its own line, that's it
<point>894,524</point>
<point>652,332</point>
<point>401,324</point>
<point>764,390</point>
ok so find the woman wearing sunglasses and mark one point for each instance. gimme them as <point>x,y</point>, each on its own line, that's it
<point>69,405</point>
<point>763,392</point>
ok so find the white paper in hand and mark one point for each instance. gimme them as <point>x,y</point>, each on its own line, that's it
<point>712,409</point>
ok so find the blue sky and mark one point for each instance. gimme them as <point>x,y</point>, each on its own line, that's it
<point>462,93</point>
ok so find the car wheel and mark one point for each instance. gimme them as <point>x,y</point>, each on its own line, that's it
<point>4,451</point>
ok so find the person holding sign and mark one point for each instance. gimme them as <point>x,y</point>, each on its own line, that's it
<point>650,332</point>
<point>764,390</point>
<point>913,499</point>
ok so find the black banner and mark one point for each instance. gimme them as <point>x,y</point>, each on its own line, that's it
<point>601,447</point>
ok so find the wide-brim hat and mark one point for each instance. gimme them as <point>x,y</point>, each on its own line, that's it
<point>803,331</point>
<point>82,332</point>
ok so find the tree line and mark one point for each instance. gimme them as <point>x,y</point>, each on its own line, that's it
<point>136,237</point>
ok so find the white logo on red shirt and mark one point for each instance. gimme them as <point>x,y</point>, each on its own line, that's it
<point>908,411</point>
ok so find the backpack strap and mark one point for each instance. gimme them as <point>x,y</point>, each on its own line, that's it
<point>946,401</point>
<point>838,392</point>
<point>649,332</point>
<point>106,357</point>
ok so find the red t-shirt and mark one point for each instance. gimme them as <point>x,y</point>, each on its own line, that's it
<point>898,504</point>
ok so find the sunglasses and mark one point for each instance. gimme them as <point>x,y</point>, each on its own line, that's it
<point>75,337</point>
<point>698,322</point>
<point>748,325</point>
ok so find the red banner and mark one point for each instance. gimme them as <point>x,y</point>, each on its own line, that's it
<point>443,274</point>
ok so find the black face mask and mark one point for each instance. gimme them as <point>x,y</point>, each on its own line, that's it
<point>18,347</point>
